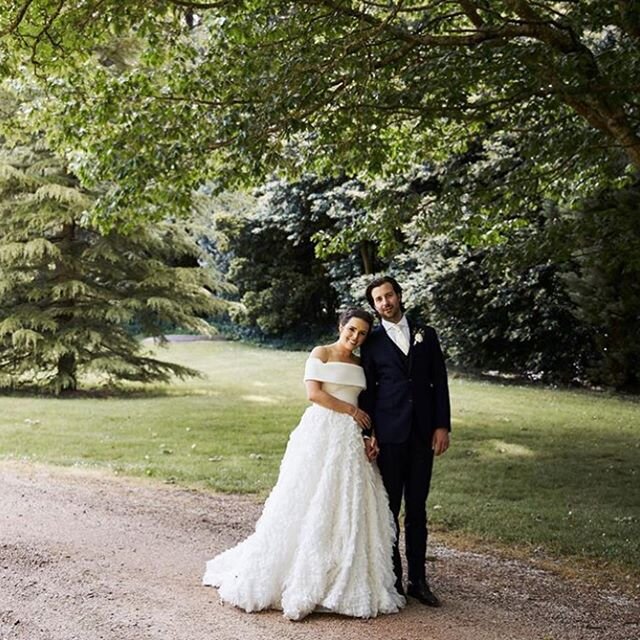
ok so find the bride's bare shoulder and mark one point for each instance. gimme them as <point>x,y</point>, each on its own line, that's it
<point>321,352</point>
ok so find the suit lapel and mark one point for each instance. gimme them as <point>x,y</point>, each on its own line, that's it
<point>412,333</point>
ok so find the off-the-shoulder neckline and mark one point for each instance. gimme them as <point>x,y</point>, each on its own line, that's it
<point>350,364</point>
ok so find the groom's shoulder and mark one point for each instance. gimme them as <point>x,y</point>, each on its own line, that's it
<point>377,332</point>
<point>423,326</point>
<point>374,337</point>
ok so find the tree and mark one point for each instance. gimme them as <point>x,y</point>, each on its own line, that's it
<point>72,296</point>
<point>602,276</point>
<point>496,311</point>
<point>284,288</point>
<point>229,90</point>
<point>510,105</point>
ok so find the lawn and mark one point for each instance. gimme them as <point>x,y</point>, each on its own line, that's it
<point>551,472</point>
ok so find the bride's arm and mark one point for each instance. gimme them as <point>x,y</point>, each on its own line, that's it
<point>317,395</point>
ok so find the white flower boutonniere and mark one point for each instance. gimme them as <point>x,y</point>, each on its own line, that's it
<point>418,338</point>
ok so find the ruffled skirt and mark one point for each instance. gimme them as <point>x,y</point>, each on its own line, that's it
<point>325,537</point>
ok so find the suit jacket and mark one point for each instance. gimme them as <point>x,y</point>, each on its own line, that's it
<point>405,391</point>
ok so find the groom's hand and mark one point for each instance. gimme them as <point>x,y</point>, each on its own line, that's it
<point>440,441</point>
<point>371,448</point>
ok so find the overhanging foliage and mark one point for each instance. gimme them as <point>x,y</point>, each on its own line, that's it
<point>542,94</point>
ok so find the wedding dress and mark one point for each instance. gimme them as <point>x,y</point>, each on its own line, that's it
<point>325,538</point>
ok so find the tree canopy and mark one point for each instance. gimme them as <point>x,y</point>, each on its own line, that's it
<point>513,125</point>
<point>516,100</point>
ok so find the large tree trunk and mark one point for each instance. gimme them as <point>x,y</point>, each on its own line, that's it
<point>367,254</point>
<point>67,376</point>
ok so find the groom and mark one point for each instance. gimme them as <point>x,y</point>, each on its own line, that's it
<point>407,397</point>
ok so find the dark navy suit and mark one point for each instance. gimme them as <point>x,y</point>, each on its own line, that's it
<point>407,397</point>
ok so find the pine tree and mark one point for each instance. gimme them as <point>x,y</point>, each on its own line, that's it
<point>71,297</point>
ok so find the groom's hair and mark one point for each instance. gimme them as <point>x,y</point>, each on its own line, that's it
<point>377,282</point>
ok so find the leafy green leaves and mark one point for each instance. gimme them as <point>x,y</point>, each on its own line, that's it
<point>154,99</point>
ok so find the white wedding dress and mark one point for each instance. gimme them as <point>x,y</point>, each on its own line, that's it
<point>325,537</point>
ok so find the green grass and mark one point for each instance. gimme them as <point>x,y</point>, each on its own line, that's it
<point>553,469</point>
<point>205,432</point>
<point>542,469</point>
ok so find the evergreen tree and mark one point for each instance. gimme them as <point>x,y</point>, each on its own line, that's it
<point>72,296</point>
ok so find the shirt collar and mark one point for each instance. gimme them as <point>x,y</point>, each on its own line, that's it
<point>401,324</point>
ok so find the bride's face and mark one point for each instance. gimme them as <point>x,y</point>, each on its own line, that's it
<point>353,333</point>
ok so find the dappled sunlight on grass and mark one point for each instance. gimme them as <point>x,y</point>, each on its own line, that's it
<point>556,470</point>
<point>176,391</point>
<point>261,399</point>
<point>501,447</point>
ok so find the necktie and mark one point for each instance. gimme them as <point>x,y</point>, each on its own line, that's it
<point>400,339</point>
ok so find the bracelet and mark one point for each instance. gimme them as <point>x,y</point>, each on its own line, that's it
<point>355,412</point>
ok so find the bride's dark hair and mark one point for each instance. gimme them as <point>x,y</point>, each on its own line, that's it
<point>355,312</point>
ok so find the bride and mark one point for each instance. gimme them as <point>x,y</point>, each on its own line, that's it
<point>325,538</point>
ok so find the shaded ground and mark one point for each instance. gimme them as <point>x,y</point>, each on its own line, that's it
<point>85,555</point>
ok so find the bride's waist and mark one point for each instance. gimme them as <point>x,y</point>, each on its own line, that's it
<point>351,398</point>
<point>340,413</point>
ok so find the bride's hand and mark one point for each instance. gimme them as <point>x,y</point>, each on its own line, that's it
<point>362,418</point>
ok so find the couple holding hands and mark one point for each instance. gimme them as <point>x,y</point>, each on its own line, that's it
<point>327,539</point>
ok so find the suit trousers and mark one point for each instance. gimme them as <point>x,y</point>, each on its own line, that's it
<point>406,472</point>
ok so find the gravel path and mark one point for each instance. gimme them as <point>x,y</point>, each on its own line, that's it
<point>86,555</point>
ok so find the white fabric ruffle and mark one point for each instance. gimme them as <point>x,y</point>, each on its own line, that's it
<point>324,539</point>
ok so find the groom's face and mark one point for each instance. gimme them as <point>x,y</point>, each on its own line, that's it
<point>387,302</point>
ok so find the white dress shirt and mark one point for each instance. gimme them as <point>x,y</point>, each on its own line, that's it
<point>399,333</point>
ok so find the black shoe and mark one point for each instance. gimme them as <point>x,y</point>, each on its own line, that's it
<point>420,591</point>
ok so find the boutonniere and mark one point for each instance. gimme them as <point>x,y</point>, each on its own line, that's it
<point>418,337</point>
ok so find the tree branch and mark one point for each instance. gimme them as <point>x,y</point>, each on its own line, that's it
<point>45,32</point>
<point>504,32</point>
<point>18,19</point>
<point>205,5</point>
<point>471,9</point>
<point>611,120</point>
